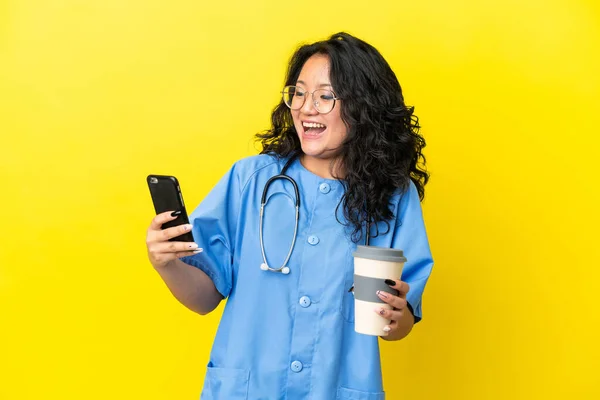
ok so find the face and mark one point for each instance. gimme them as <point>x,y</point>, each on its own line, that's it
<point>321,135</point>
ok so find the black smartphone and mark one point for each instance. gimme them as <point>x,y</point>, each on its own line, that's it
<point>166,196</point>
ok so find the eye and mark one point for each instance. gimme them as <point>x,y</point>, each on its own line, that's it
<point>326,96</point>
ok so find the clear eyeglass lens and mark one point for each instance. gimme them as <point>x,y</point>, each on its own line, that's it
<point>294,97</point>
<point>324,100</point>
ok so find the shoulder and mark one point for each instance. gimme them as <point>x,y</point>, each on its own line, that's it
<point>408,193</point>
<point>406,200</point>
<point>256,162</point>
<point>249,167</point>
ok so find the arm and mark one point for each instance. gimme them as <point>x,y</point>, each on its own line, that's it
<point>201,279</point>
<point>190,286</point>
<point>409,235</point>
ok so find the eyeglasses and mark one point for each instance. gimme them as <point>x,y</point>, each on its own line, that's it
<point>323,99</point>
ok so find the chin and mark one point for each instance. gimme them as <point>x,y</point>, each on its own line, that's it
<point>319,154</point>
<point>309,151</point>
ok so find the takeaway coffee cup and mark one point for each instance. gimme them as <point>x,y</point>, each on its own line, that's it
<point>372,266</point>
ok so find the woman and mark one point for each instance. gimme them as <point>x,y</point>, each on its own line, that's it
<point>343,133</point>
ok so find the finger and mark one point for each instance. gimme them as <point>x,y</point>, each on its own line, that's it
<point>394,301</point>
<point>393,315</point>
<point>400,286</point>
<point>164,258</point>
<point>170,233</point>
<point>188,253</point>
<point>163,235</point>
<point>162,218</point>
<point>173,247</point>
<point>391,327</point>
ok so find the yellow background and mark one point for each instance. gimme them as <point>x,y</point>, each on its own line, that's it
<point>94,95</point>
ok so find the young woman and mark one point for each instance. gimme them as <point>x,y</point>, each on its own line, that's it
<point>350,151</point>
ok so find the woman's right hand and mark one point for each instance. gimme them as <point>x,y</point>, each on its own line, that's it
<point>160,250</point>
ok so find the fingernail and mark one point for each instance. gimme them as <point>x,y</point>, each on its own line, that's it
<point>382,294</point>
<point>387,328</point>
<point>187,227</point>
<point>379,311</point>
<point>198,250</point>
<point>192,245</point>
<point>390,282</point>
<point>175,213</point>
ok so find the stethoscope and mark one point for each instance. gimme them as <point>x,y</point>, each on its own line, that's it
<point>284,269</point>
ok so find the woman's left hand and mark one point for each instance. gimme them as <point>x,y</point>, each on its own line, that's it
<point>402,319</point>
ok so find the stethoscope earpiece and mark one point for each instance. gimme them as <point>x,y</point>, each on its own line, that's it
<point>284,270</point>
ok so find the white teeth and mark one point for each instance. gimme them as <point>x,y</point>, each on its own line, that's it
<point>312,125</point>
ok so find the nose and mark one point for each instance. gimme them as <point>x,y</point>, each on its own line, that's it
<point>308,107</point>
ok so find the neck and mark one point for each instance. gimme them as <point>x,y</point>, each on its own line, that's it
<point>325,168</point>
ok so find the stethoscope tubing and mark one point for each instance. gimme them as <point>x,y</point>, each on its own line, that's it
<point>284,269</point>
<point>263,201</point>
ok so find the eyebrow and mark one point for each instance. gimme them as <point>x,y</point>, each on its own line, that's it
<point>321,85</point>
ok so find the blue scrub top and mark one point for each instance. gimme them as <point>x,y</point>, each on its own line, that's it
<point>292,336</point>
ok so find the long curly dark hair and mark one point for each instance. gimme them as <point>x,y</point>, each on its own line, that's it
<point>383,148</point>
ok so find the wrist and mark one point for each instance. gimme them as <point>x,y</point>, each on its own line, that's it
<point>164,265</point>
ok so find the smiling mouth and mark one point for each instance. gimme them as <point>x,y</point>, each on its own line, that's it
<point>313,128</point>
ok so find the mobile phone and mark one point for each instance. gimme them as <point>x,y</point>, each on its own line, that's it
<point>166,196</point>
